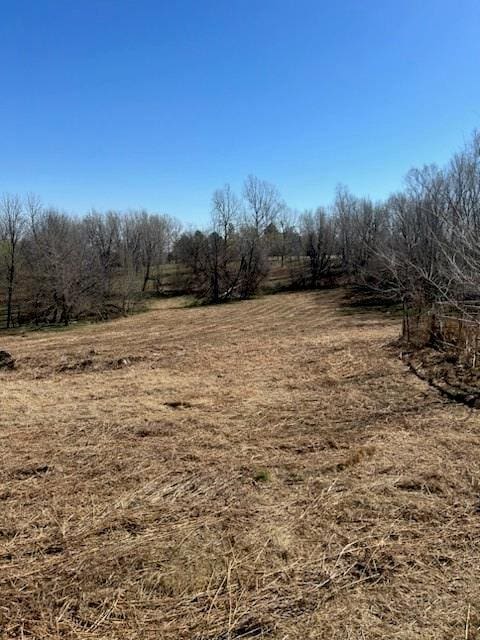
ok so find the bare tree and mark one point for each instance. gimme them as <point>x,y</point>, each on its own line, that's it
<point>154,238</point>
<point>262,206</point>
<point>263,203</point>
<point>103,237</point>
<point>344,211</point>
<point>226,211</point>
<point>318,235</point>
<point>286,223</point>
<point>12,225</point>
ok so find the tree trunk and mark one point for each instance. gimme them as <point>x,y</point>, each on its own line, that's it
<point>146,278</point>
<point>11,279</point>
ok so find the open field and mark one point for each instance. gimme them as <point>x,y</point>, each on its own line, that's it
<point>262,469</point>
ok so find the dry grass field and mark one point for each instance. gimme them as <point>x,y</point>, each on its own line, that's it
<point>262,469</point>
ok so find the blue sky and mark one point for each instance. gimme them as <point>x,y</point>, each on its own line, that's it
<point>129,103</point>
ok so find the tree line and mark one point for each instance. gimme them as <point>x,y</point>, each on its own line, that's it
<point>419,246</point>
<point>56,268</point>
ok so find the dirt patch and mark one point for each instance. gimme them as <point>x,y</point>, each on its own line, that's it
<point>7,361</point>
<point>45,365</point>
<point>178,404</point>
<point>75,364</point>
<point>28,472</point>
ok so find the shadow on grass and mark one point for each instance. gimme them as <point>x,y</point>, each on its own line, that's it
<point>360,300</point>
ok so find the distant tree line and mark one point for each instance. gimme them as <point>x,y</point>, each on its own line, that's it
<point>420,246</point>
<point>55,268</point>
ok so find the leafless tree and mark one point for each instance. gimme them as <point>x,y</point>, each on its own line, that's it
<point>319,240</point>
<point>262,203</point>
<point>226,211</point>
<point>12,226</point>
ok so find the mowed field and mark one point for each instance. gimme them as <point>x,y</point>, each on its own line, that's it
<point>262,469</point>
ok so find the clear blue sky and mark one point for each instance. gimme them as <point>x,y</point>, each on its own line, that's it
<point>127,103</point>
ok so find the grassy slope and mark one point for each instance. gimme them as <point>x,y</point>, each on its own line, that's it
<point>267,467</point>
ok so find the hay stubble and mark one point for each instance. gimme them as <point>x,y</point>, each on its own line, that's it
<point>263,469</point>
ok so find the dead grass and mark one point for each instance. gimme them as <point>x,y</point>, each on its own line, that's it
<point>264,469</point>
